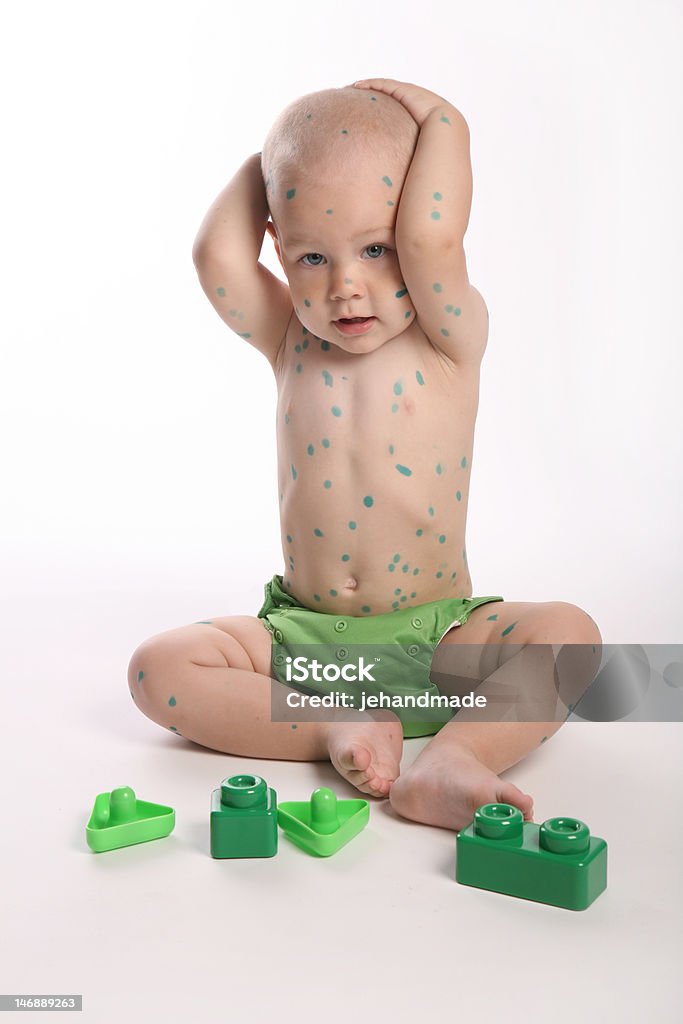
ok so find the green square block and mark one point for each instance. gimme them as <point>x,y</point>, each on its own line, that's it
<point>558,862</point>
<point>243,818</point>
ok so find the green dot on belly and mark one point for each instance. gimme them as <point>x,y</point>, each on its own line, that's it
<point>220,291</point>
<point>293,473</point>
<point>405,568</point>
<point>387,180</point>
<point>297,348</point>
<point>436,215</point>
<point>439,468</point>
<point>463,462</point>
<point>286,418</point>
<point>442,538</point>
<point>368,501</point>
<point>310,449</point>
<point>172,702</point>
<point>329,211</point>
<point>397,558</point>
<point>366,608</point>
<point>345,558</point>
<point>325,443</point>
<point>439,575</point>
<point>298,367</point>
<point>333,593</point>
<point>391,567</point>
<point>398,388</point>
<point>415,572</point>
<point>289,539</point>
<point>430,510</point>
<point>307,303</point>
<point>418,533</point>
<point>291,192</point>
<point>419,378</point>
<point>397,591</point>
<point>327,377</point>
<point>318,533</point>
<point>336,411</point>
<point>394,407</point>
<point>509,629</point>
<point>404,470</point>
<point>327,484</point>
<point>401,293</point>
<point>458,495</point>
<point>391,449</point>
<point>445,333</point>
<point>352,525</point>
<point>316,597</point>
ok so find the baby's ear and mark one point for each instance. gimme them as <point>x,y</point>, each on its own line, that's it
<point>270,228</point>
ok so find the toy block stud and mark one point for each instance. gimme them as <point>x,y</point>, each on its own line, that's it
<point>323,824</point>
<point>120,819</point>
<point>558,862</point>
<point>243,818</point>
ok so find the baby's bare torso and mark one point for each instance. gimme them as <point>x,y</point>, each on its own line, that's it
<point>374,461</point>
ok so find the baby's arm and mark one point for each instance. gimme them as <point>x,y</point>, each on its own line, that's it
<point>251,300</point>
<point>431,223</point>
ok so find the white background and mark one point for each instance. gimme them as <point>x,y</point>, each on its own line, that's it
<point>139,483</point>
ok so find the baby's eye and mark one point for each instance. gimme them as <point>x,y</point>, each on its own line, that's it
<point>312,255</point>
<point>373,254</point>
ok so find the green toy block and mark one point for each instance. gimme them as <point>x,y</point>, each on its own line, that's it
<point>323,824</point>
<point>243,818</point>
<point>558,862</point>
<point>120,819</point>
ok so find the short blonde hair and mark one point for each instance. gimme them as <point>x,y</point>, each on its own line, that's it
<point>329,131</point>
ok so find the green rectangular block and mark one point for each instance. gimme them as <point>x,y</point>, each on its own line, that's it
<point>558,862</point>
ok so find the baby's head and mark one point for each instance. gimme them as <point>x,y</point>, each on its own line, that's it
<point>334,164</point>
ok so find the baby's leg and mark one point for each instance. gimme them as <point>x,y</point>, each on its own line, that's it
<point>210,683</point>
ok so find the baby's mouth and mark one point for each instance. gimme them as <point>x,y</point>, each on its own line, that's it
<point>354,324</point>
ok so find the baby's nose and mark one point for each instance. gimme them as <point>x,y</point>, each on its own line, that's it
<point>347,287</point>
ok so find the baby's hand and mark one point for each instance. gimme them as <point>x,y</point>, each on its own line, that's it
<point>417,101</point>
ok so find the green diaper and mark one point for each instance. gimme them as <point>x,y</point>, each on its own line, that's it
<point>377,654</point>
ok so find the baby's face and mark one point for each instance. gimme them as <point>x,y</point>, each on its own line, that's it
<point>337,248</point>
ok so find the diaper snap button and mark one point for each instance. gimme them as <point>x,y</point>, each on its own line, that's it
<point>416,622</point>
<point>340,626</point>
<point>278,636</point>
<point>279,659</point>
<point>341,653</point>
<point>413,649</point>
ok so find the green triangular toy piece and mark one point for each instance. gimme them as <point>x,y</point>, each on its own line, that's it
<point>323,824</point>
<point>119,819</point>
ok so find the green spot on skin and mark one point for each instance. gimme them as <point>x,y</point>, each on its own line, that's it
<point>439,575</point>
<point>445,333</point>
<point>293,473</point>
<point>404,568</point>
<point>245,335</point>
<point>173,729</point>
<point>394,604</point>
<point>543,740</point>
<point>404,470</point>
<point>333,593</point>
<point>397,591</point>
<point>204,622</point>
<point>415,572</point>
<point>325,346</point>
<point>389,202</point>
<point>391,449</point>
<point>316,597</point>
<point>439,470</point>
<point>391,567</point>
<point>436,286</point>
<point>458,496</point>
<point>366,608</point>
<point>327,377</point>
<point>436,215</point>
<point>430,510</point>
<point>220,291</point>
<point>343,132</point>
<point>348,280</point>
<point>419,378</point>
<point>307,303</point>
<point>449,308</point>
<point>318,533</point>
<point>444,118</point>
<point>418,533</point>
<point>232,312</point>
<point>397,558</point>
<point>336,411</point>
<point>327,484</point>
<point>294,727</point>
<point>442,538</point>
<point>172,702</point>
<point>298,367</point>
<point>352,525</point>
<point>289,539</point>
<point>310,449</point>
<point>345,558</point>
<point>408,315</point>
<point>141,676</point>
<point>509,629</point>
<point>291,192</point>
<point>329,211</point>
<point>387,181</point>
<point>399,295</point>
<point>398,388</point>
<point>394,407</point>
<point>457,312</point>
<point>286,418</point>
<point>297,348</point>
<point>438,197</point>
<point>463,462</point>
<point>368,501</point>
<point>325,443</point>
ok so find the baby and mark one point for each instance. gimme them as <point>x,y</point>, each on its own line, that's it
<point>376,343</point>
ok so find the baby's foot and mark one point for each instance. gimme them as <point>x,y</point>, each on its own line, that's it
<point>445,787</point>
<point>367,754</point>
